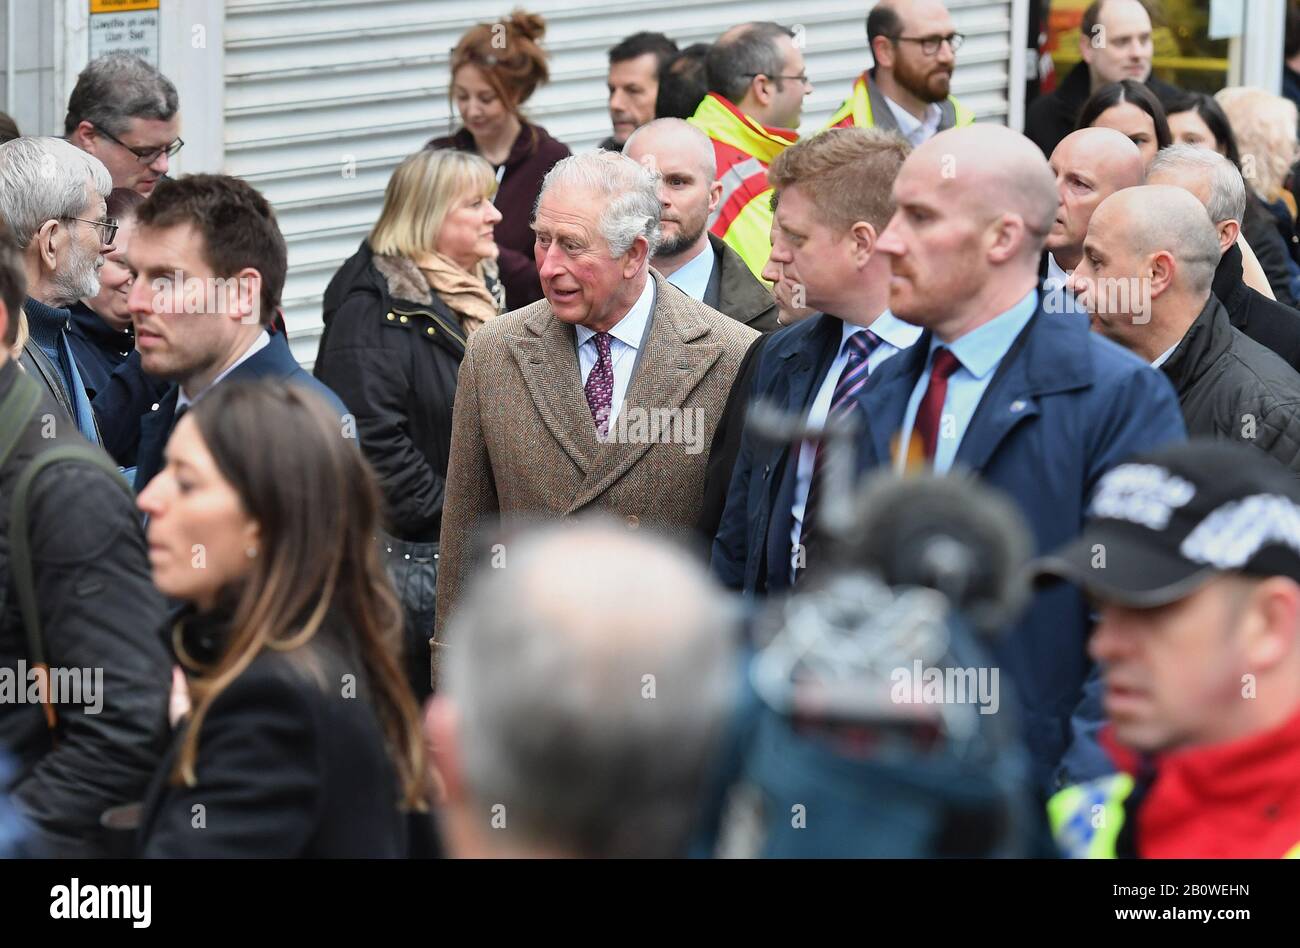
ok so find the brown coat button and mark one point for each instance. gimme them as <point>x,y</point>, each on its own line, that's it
<point>633,521</point>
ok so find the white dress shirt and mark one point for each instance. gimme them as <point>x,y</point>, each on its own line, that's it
<point>915,131</point>
<point>626,340</point>
<point>693,277</point>
<point>1164,356</point>
<point>895,335</point>
<point>1055,272</point>
<point>260,343</point>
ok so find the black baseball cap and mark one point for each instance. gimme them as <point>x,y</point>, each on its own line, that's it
<point>1165,523</point>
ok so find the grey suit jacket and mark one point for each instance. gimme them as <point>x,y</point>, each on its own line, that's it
<point>524,446</point>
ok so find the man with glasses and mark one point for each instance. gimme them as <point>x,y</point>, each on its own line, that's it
<point>124,112</point>
<point>914,48</point>
<point>757,84</point>
<point>53,197</point>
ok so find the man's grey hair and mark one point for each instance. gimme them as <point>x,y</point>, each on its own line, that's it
<point>630,191</point>
<point>702,143</point>
<point>742,53</point>
<point>593,678</point>
<point>44,179</point>
<point>1227,199</point>
<point>116,88</point>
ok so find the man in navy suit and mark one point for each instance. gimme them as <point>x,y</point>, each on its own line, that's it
<point>833,201</point>
<point>1031,402</point>
<point>209,264</point>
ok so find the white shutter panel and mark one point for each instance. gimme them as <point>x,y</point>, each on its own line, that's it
<point>324,98</point>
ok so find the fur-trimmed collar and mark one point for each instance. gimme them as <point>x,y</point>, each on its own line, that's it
<point>405,281</point>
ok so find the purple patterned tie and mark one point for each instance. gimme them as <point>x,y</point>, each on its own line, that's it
<point>600,385</point>
<point>858,348</point>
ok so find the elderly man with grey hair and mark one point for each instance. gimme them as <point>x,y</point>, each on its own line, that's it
<point>586,690</point>
<point>1217,183</point>
<point>603,396</point>
<point>1145,279</point>
<point>697,262</point>
<point>54,197</point>
<point>125,113</point>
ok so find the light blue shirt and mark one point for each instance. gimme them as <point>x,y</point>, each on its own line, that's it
<point>979,351</point>
<point>895,335</point>
<point>693,278</point>
<point>626,339</point>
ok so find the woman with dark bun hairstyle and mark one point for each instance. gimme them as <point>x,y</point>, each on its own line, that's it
<point>495,69</point>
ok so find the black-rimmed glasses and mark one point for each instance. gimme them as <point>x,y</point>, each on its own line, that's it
<point>930,44</point>
<point>147,156</point>
<point>107,227</point>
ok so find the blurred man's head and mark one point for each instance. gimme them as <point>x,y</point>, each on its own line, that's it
<point>1115,41</point>
<point>1148,263</point>
<point>683,83</point>
<point>1191,556</point>
<point>53,197</point>
<point>596,226</point>
<point>835,199</point>
<point>914,48</point>
<point>683,158</point>
<point>633,81</point>
<point>1210,178</point>
<point>1090,165</point>
<point>583,698</point>
<point>760,70</point>
<point>208,264</point>
<point>124,112</point>
<point>13,290</point>
<point>974,206</point>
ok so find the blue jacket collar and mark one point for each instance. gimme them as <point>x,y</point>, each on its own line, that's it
<point>1052,354</point>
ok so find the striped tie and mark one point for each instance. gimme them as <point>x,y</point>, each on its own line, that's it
<point>859,347</point>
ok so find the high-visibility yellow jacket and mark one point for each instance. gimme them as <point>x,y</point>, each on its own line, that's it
<point>743,148</point>
<point>867,108</point>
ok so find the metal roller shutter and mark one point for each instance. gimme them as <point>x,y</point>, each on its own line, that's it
<point>323,99</point>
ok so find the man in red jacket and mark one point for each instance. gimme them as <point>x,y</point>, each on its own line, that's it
<point>1192,557</point>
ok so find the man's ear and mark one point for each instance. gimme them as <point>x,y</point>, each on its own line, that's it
<point>882,52</point>
<point>83,136</point>
<point>864,239</point>
<point>715,196</point>
<point>1228,232</point>
<point>46,242</point>
<point>635,257</point>
<point>1007,236</point>
<point>243,297</point>
<point>1163,268</point>
<point>1085,48</point>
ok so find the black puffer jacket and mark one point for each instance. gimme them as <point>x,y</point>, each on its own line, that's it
<point>392,351</point>
<point>1230,387</point>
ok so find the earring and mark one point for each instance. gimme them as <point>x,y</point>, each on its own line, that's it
<point>252,552</point>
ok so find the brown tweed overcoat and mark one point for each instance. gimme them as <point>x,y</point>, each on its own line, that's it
<point>524,446</point>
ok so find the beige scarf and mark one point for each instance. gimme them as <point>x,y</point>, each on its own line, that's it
<point>464,292</point>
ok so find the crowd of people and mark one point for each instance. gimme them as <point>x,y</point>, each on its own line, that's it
<point>485,580</point>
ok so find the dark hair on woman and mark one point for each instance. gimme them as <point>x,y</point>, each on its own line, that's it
<point>1133,92</point>
<point>508,54</point>
<point>317,507</point>
<point>1211,113</point>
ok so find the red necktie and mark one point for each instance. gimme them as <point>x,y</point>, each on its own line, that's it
<point>928,414</point>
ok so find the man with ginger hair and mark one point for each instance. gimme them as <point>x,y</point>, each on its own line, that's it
<point>1029,402</point>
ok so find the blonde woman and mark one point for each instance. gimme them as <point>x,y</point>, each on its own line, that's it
<point>397,316</point>
<point>1265,128</point>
